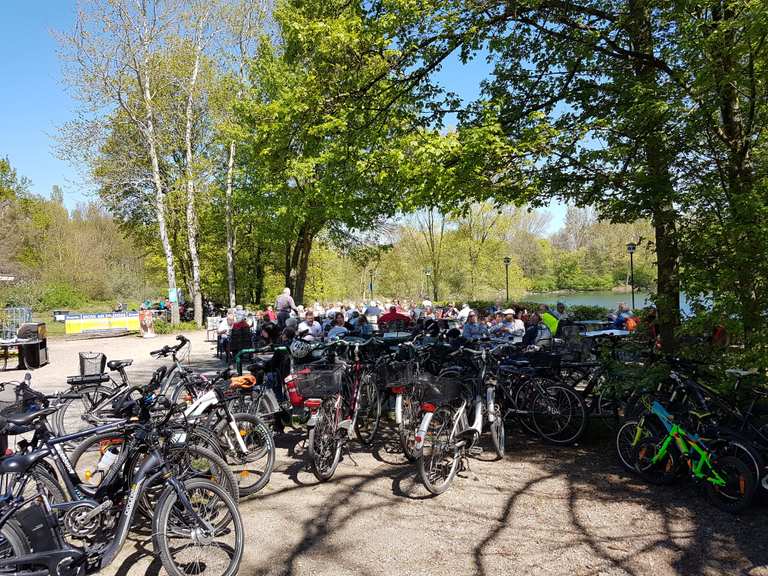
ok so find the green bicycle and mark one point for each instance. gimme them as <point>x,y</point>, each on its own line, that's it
<point>661,453</point>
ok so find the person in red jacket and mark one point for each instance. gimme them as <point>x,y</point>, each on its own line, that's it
<point>394,316</point>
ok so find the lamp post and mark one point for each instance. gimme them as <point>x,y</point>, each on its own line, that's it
<point>371,285</point>
<point>507,261</point>
<point>631,247</point>
<point>428,274</point>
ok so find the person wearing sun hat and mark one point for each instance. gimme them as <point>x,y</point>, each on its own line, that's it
<point>509,326</point>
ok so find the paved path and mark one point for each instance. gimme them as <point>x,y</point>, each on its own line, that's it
<point>543,510</point>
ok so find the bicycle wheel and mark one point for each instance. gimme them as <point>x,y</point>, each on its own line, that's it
<point>439,459</point>
<point>662,472</point>
<point>368,410</point>
<point>210,543</point>
<point>36,480</point>
<point>739,488</point>
<point>188,462</point>
<point>559,414</point>
<point>523,402</point>
<point>324,442</point>
<point>69,418</point>
<point>13,544</point>
<point>411,415</point>
<point>253,468</point>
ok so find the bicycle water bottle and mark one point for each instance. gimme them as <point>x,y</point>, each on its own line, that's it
<point>109,458</point>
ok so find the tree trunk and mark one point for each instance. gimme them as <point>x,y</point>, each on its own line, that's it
<point>667,253</point>
<point>230,228</point>
<point>305,247</point>
<point>197,296</point>
<point>740,171</point>
<point>157,178</point>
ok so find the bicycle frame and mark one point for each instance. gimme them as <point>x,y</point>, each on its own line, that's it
<point>688,444</point>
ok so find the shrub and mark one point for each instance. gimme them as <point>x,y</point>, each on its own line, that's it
<point>163,327</point>
<point>586,312</point>
<point>61,295</point>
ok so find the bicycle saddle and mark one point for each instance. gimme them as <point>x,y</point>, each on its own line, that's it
<point>29,418</point>
<point>20,463</point>
<point>117,364</point>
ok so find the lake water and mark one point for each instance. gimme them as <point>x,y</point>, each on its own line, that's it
<point>604,298</point>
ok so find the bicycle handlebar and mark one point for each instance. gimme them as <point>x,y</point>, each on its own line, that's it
<point>166,350</point>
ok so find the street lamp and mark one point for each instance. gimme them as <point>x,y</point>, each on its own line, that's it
<point>371,285</point>
<point>428,274</point>
<point>507,261</point>
<point>631,247</point>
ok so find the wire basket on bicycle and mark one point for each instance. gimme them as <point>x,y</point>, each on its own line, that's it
<point>440,390</point>
<point>319,381</point>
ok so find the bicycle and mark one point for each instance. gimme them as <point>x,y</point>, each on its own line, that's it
<point>195,510</point>
<point>445,435</point>
<point>729,482</point>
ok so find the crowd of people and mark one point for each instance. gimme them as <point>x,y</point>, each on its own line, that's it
<point>287,320</point>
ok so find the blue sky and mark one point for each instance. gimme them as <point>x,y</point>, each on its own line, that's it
<point>34,101</point>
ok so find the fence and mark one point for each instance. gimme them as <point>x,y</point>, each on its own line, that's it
<point>11,319</point>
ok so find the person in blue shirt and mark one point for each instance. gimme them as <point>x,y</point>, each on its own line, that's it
<point>338,329</point>
<point>363,327</point>
<point>473,330</point>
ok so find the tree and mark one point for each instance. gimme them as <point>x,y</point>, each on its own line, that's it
<point>111,63</point>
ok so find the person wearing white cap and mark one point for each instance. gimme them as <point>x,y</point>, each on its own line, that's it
<point>510,326</point>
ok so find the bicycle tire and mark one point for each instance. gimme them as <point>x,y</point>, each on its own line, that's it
<point>740,488</point>
<point>498,432</point>
<point>324,441</point>
<point>411,414</point>
<point>13,543</point>
<point>88,398</point>
<point>164,528</point>
<point>368,411</point>
<point>625,438</point>
<point>257,437</point>
<point>443,426</point>
<point>552,424</point>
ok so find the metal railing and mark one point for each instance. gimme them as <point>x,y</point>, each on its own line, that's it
<point>11,319</point>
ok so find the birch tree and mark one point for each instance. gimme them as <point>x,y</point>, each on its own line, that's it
<point>109,59</point>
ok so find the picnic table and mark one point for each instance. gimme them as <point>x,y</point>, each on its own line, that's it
<point>612,333</point>
<point>18,343</point>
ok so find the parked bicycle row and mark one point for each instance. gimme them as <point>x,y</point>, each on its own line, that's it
<point>108,454</point>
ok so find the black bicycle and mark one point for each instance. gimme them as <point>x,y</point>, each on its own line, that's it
<point>196,526</point>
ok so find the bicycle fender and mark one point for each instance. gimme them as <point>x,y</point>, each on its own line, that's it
<point>421,433</point>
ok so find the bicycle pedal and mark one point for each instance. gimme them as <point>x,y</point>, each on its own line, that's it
<point>474,450</point>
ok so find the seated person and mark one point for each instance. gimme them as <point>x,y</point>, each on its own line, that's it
<point>310,329</point>
<point>338,329</point>
<point>473,330</point>
<point>393,316</point>
<point>537,333</point>
<point>509,326</point>
<point>622,314</point>
<point>363,327</point>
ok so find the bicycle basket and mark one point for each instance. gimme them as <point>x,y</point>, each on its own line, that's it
<point>396,374</point>
<point>92,363</point>
<point>439,390</point>
<point>319,382</point>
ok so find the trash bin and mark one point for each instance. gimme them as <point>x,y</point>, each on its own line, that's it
<point>34,354</point>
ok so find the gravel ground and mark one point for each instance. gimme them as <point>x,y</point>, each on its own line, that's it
<point>542,510</point>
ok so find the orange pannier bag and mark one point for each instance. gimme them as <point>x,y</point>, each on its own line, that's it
<point>247,381</point>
